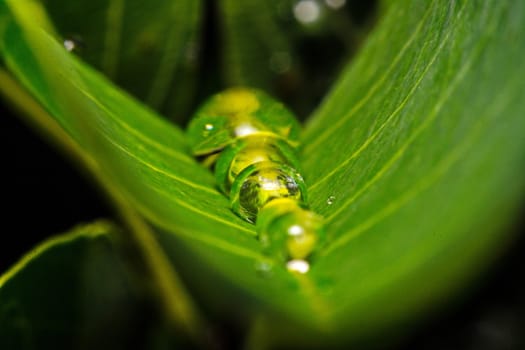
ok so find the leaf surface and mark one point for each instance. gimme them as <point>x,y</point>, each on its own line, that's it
<point>72,291</point>
<point>415,158</point>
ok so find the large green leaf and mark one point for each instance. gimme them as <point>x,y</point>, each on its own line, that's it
<point>73,291</point>
<point>415,158</point>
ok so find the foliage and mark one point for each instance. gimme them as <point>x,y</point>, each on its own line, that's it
<point>415,158</point>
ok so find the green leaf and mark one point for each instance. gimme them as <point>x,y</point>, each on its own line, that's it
<point>428,171</point>
<point>263,44</point>
<point>72,291</point>
<point>415,158</point>
<point>254,43</point>
<point>149,48</point>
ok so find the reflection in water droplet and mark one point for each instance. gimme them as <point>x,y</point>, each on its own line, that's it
<point>208,127</point>
<point>264,269</point>
<point>298,265</point>
<point>330,200</point>
<point>245,129</point>
<point>261,183</point>
<point>280,62</point>
<point>295,230</point>
<point>306,11</point>
<point>335,4</point>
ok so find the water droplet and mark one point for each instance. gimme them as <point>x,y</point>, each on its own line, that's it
<point>307,11</point>
<point>335,4</point>
<point>208,127</point>
<point>289,232</point>
<point>69,45</point>
<point>73,43</point>
<point>264,268</point>
<point>330,200</point>
<point>298,266</point>
<point>261,183</point>
<point>250,150</point>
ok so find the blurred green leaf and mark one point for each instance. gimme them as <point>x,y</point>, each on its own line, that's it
<point>72,292</point>
<point>149,48</point>
<point>416,159</point>
<point>256,49</point>
<point>264,44</point>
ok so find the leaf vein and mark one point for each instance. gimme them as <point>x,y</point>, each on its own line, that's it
<point>396,111</point>
<point>325,133</point>
<point>404,147</point>
<point>425,182</point>
<point>168,151</point>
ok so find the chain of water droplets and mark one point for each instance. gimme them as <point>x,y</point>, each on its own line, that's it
<point>250,141</point>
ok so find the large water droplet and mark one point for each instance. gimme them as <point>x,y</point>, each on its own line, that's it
<point>261,183</point>
<point>250,150</point>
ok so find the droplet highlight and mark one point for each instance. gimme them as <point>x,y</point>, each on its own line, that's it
<point>261,183</point>
<point>330,200</point>
<point>298,266</point>
<point>69,45</point>
<point>73,43</point>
